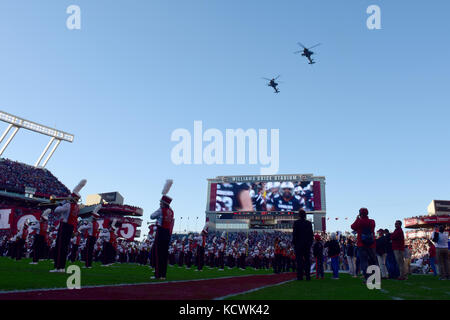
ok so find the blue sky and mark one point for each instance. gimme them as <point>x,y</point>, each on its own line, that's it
<point>371,116</point>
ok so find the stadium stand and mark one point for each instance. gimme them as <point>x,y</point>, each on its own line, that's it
<point>15,177</point>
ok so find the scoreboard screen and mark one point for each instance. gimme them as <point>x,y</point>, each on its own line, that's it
<point>275,197</point>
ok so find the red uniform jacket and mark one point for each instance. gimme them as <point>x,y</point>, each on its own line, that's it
<point>359,225</point>
<point>398,240</point>
<point>73,215</point>
<point>167,220</point>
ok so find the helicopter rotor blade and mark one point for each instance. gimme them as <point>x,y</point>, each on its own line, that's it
<point>301,45</point>
<point>296,52</point>
<point>266,79</point>
<point>277,77</point>
<point>315,46</point>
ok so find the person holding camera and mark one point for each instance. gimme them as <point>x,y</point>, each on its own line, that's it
<point>365,229</point>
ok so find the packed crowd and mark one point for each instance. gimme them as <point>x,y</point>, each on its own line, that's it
<point>15,177</point>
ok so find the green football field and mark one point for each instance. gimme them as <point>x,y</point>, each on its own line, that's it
<point>417,287</point>
<point>20,275</point>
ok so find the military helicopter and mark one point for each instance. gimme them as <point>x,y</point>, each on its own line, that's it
<point>273,84</point>
<point>306,52</point>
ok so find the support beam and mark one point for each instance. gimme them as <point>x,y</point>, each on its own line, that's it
<point>9,140</point>
<point>51,153</point>
<point>5,133</point>
<point>44,152</point>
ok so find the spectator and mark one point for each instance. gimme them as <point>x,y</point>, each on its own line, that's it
<point>333,253</point>
<point>365,229</point>
<point>351,258</point>
<point>381,251</point>
<point>432,256</point>
<point>407,259</point>
<point>398,246</point>
<point>391,264</point>
<point>318,256</point>
<point>302,238</point>
<point>441,240</point>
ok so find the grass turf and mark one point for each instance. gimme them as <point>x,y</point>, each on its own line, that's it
<point>417,287</point>
<point>20,275</point>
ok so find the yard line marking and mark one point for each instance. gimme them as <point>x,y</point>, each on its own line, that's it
<point>253,290</point>
<point>397,298</point>
<point>127,284</point>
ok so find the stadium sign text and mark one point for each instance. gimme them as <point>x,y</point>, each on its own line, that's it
<point>213,153</point>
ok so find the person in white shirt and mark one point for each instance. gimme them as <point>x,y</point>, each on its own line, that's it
<point>442,252</point>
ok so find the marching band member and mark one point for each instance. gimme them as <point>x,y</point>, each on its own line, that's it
<point>68,215</point>
<point>75,242</point>
<point>188,252</point>
<point>221,252</point>
<point>35,227</point>
<point>172,252</point>
<point>21,237</point>
<point>201,243</point>
<point>242,255</point>
<point>105,236</point>
<point>165,222</point>
<point>89,228</point>
<point>181,249</point>
<point>151,237</point>
<point>112,246</point>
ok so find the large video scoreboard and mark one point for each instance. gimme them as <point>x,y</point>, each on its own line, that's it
<point>265,202</point>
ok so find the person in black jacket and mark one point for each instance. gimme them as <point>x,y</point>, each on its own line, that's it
<point>318,255</point>
<point>391,264</point>
<point>381,250</point>
<point>334,251</point>
<point>302,239</point>
<point>350,252</point>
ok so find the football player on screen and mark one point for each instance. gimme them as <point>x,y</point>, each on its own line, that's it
<point>233,197</point>
<point>286,201</point>
<point>273,195</point>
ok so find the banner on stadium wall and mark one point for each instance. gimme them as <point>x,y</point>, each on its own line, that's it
<point>427,220</point>
<point>127,230</point>
<point>12,219</point>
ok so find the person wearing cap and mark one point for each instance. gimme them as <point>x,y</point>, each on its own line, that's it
<point>89,228</point>
<point>67,214</point>
<point>165,221</point>
<point>365,229</point>
<point>302,239</point>
<point>221,252</point>
<point>20,241</point>
<point>201,243</point>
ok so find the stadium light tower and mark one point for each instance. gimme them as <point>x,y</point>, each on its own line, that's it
<point>17,123</point>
